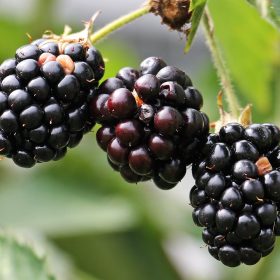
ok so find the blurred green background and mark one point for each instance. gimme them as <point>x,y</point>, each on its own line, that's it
<point>78,212</point>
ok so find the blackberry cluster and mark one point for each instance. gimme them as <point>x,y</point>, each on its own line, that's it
<point>151,122</point>
<point>237,192</point>
<point>44,97</point>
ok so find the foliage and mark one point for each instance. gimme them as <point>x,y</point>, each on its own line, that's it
<point>197,9</point>
<point>250,47</point>
<point>107,228</point>
<point>269,9</point>
<point>18,261</point>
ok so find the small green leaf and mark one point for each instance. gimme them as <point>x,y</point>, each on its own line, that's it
<point>196,3</point>
<point>19,262</point>
<point>197,8</point>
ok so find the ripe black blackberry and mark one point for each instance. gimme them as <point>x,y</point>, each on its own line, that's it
<point>151,122</point>
<point>44,98</point>
<point>236,192</point>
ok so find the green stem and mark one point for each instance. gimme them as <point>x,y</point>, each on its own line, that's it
<point>118,23</point>
<point>220,64</point>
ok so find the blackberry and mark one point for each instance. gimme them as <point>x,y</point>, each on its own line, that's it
<point>147,87</point>
<point>49,47</point>
<point>10,83</point>
<point>151,124</point>
<point>236,192</point>
<point>129,76</point>
<point>121,104</point>
<point>8,67</point>
<point>44,98</point>
<point>27,70</point>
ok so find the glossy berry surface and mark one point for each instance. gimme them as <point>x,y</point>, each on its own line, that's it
<point>44,99</point>
<point>151,123</point>
<point>122,104</point>
<point>236,193</point>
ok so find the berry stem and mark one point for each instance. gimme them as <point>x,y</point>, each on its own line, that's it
<point>118,23</point>
<point>220,64</point>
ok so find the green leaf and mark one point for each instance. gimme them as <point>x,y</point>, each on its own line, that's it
<point>68,197</point>
<point>197,8</point>
<point>46,205</point>
<point>136,254</point>
<point>249,45</point>
<point>81,275</point>
<point>31,251</point>
<point>269,9</point>
<point>276,7</point>
<point>19,262</point>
